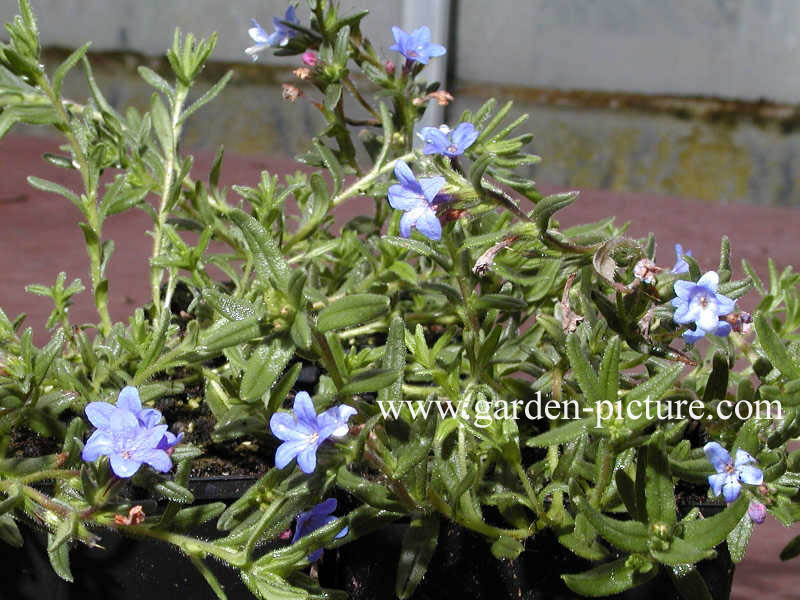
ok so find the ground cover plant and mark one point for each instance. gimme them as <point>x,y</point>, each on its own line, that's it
<point>397,361</point>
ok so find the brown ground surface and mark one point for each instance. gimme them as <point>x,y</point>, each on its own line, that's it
<point>39,237</point>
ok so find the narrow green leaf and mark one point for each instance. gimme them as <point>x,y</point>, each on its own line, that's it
<point>419,543</point>
<point>607,579</point>
<point>352,310</point>
<point>270,265</point>
<point>775,348</point>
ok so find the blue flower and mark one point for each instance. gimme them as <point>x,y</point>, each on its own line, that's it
<point>448,142</point>
<point>730,475</point>
<point>681,266</point>
<point>279,37</point>
<point>128,435</point>
<point>304,432</point>
<point>416,46</point>
<point>699,303</point>
<point>417,199</point>
<point>317,517</point>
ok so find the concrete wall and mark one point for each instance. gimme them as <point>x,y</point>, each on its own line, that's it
<point>637,123</point>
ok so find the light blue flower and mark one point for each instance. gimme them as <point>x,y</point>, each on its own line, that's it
<point>681,266</point>
<point>416,46</point>
<point>278,38</point>
<point>443,140</point>
<point>699,303</point>
<point>730,475</point>
<point>417,199</point>
<point>310,521</point>
<point>304,431</point>
<point>129,435</point>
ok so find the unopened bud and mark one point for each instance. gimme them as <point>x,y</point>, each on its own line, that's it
<point>290,92</point>
<point>309,58</point>
<point>757,512</point>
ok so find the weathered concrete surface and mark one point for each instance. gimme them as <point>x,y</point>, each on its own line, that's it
<point>699,148</point>
<point>39,237</point>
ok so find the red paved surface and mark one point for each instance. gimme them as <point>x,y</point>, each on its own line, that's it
<point>39,237</point>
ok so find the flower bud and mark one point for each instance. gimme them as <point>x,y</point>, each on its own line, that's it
<point>309,58</point>
<point>757,512</point>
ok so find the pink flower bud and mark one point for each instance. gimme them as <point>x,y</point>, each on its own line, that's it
<point>757,512</point>
<point>309,58</point>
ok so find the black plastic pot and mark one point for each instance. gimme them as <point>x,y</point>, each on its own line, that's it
<point>462,567</point>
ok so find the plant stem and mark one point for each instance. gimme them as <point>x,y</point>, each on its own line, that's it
<point>156,272</point>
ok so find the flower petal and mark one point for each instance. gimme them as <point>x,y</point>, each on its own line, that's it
<point>716,481</point>
<point>307,458</point>
<point>710,280</point>
<point>287,451</point>
<point>404,174</point>
<point>99,414</point>
<point>751,475</point>
<point>731,489</point>
<point>725,305</point>
<point>124,467</point>
<point>402,198</point>
<point>429,226</point>
<point>285,427</point>
<point>717,456</point>
<point>99,444</point>
<point>431,186</point>
<point>464,136</point>
<point>158,459</point>
<point>304,410</point>
<point>128,399</point>
<point>333,422</point>
<point>683,289</point>
<point>693,336</point>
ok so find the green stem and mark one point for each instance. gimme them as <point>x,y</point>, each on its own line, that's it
<point>375,172</point>
<point>156,273</point>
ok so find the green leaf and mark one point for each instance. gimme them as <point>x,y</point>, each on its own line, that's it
<point>59,558</point>
<point>66,67</point>
<point>607,579</point>
<point>711,531</point>
<point>419,544</point>
<point>352,310</point>
<point>270,265</point>
<point>9,532</point>
<point>630,536</point>
<point>682,552</point>
<point>548,206</point>
<point>55,188</point>
<point>775,348</point>
<point>560,435</point>
<point>371,380</point>
<point>225,334</point>
<point>584,373</point>
<point>739,537</point>
<point>506,547</point>
<point>264,366</point>
<point>689,583</point>
<point>659,493</point>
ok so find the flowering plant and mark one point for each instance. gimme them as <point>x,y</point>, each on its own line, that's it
<point>458,291</point>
